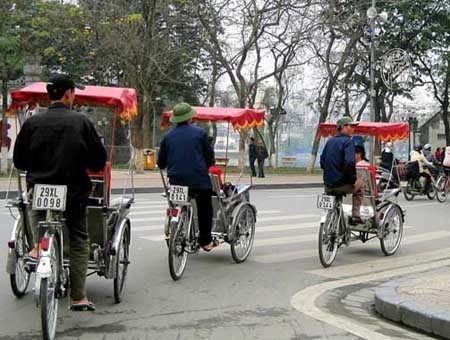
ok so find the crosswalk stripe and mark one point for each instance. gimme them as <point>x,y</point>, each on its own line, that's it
<point>313,252</point>
<point>381,264</point>
<point>148,211</point>
<point>287,217</point>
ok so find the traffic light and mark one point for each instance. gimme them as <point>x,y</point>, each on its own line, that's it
<point>413,124</point>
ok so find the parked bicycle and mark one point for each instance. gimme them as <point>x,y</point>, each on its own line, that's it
<point>443,185</point>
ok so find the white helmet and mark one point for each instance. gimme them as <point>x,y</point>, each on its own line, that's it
<point>427,147</point>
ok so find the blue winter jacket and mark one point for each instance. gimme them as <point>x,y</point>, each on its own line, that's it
<point>338,161</point>
<point>187,154</point>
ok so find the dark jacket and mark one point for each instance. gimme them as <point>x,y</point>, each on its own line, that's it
<point>252,151</point>
<point>187,155</point>
<point>58,147</point>
<point>261,152</point>
<point>338,161</point>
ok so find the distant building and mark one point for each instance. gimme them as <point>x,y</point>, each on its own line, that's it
<point>432,132</point>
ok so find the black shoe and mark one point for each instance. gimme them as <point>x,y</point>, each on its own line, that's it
<point>355,220</point>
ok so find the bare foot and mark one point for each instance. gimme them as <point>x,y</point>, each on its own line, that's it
<point>34,253</point>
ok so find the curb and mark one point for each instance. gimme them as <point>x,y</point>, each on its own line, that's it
<point>156,190</point>
<point>392,306</point>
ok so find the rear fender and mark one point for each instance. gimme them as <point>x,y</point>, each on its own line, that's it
<point>120,229</point>
<point>12,253</point>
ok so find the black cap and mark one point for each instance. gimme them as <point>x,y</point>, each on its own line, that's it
<point>61,83</point>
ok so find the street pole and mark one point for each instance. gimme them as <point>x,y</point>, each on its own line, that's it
<point>372,81</point>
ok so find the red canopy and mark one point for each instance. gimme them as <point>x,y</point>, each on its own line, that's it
<point>123,100</point>
<point>240,118</point>
<point>383,131</point>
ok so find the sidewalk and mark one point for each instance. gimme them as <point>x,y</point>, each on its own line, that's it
<point>421,301</point>
<point>150,182</point>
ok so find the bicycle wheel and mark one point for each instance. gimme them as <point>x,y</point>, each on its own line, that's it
<point>122,262</point>
<point>244,234</point>
<point>48,297</point>
<point>392,232</point>
<point>328,238</point>
<point>177,244</point>
<point>441,191</point>
<point>20,279</point>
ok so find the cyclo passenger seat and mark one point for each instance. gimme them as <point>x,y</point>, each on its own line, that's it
<point>101,182</point>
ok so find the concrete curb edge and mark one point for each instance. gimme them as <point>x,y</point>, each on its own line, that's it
<point>392,306</point>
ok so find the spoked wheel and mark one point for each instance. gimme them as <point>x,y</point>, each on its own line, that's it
<point>48,297</point>
<point>441,191</point>
<point>431,194</point>
<point>328,238</point>
<point>122,262</point>
<point>21,277</point>
<point>177,243</point>
<point>244,234</point>
<point>392,232</point>
<point>409,196</point>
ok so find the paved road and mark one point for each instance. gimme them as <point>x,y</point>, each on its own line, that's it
<point>281,292</point>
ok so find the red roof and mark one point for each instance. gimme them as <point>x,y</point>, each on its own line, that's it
<point>383,131</point>
<point>240,118</point>
<point>123,100</point>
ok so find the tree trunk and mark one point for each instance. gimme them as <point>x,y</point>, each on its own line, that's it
<point>445,119</point>
<point>4,149</point>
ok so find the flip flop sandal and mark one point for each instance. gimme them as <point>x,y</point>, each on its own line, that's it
<point>82,307</point>
<point>209,247</point>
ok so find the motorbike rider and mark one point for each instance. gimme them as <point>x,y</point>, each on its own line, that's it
<point>58,147</point>
<point>339,167</point>
<point>424,165</point>
<point>187,154</point>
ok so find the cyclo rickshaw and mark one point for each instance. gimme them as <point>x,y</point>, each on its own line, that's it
<point>382,216</point>
<point>234,217</point>
<point>109,226</point>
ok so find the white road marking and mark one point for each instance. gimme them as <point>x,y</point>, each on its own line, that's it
<point>294,196</point>
<point>287,217</point>
<point>305,301</point>
<point>383,264</point>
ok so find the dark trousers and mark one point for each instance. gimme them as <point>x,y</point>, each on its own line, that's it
<point>204,213</point>
<point>261,167</point>
<point>75,216</point>
<point>252,166</point>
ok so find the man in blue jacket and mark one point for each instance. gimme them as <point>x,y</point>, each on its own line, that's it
<point>338,163</point>
<point>187,154</point>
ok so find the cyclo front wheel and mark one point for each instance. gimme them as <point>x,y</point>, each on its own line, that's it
<point>244,234</point>
<point>177,243</point>
<point>328,238</point>
<point>20,279</point>
<point>392,232</point>
<point>48,296</point>
<point>441,189</point>
<point>122,261</point>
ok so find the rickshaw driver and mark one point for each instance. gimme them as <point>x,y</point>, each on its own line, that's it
<point>187,154</point>
<point>58,147</point>
<point>339,167</point>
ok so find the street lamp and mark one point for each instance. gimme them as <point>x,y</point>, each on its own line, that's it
<point>374,17</point>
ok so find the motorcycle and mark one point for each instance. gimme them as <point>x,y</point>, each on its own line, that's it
<point>417,187</point>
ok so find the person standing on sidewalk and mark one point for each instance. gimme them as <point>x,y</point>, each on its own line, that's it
<point>339,166</point>
<point>252,155</point>
<point>261,155</point>
<point>59,147</point>
<point>187,154</point>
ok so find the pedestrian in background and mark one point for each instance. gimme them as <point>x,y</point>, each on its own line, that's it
<point>261,155</point>
<point>252,155</point>
<point>437,154</point>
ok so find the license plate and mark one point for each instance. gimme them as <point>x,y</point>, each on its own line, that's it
<point>325,202</point>
<point>178,193</point>
<point>49,197</point>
